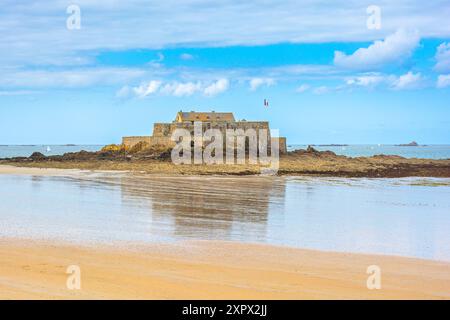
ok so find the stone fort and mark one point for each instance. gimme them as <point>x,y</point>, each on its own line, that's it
<point>162,132</point>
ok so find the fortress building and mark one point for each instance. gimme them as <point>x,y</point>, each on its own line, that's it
<point>162,132</point>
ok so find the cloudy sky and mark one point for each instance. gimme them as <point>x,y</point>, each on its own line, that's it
<point>333,71</point>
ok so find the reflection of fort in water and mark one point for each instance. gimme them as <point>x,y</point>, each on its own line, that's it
<point>351,215</point>
<point>207,207</point>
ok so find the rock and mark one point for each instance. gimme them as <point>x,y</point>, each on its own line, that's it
<point>311,150</point>
<point>38,156</point>
<point>77,156</point>
<point>114,148</point>
<point>139,147</point>
<point>387,156</point>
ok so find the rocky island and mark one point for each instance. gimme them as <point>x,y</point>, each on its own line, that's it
<point>411,144</point>
<point>157,160</point>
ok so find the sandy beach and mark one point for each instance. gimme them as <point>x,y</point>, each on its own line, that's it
<point>6,169</point>
<point>193,269</point>
<point>210,270</point>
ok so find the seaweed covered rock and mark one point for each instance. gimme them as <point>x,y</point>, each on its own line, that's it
<point>37,156</point>
<point>165,155</point>
<point>311,150</point>
<point>139,147</point>
<point>160,152</point>
<point>78,156</point>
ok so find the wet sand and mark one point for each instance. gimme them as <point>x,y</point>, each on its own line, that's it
<point>8,169</point>
<point>5,169</point>
<point>211,270</point>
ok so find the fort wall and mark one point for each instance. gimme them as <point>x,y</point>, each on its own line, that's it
<point>131,141</point>
<point>151,140</point>
<point>281,144</point>
<point>162,132</point>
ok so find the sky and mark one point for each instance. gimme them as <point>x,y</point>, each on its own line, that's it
<point>358,72</point>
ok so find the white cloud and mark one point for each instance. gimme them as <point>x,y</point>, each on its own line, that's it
<point>70,78</point>
<point>443,81</point>
<point>180,89</point>
<point>175,88</point>
<point>394,48</point>
<point>186,56</point>
<point>367,80</point>
<point>443,57</point>
<point>40,34</point>
<point>81,77</point>
<point>217,87</point>
<point>255,83</point>
<point>321,90</point>
<point>147,89</point>
<point>157,63</point>
<point>302,88</point>
<point>407,81</point>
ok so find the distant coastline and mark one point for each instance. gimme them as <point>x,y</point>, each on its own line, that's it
<point>330,145</point>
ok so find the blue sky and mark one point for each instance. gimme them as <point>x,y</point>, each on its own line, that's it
<point>328,77</point>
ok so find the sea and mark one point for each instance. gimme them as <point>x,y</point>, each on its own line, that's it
<point>436,151</point>
<point>363,150</point>
<point>8,151</point>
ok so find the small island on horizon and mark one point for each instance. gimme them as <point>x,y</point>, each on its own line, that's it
<point>411,144</point>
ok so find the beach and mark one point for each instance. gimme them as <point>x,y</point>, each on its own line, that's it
<point>140,236</point>
<point>210,270</point>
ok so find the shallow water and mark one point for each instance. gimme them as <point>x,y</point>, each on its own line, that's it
<point>409,216</point>
<point>437,151</point>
